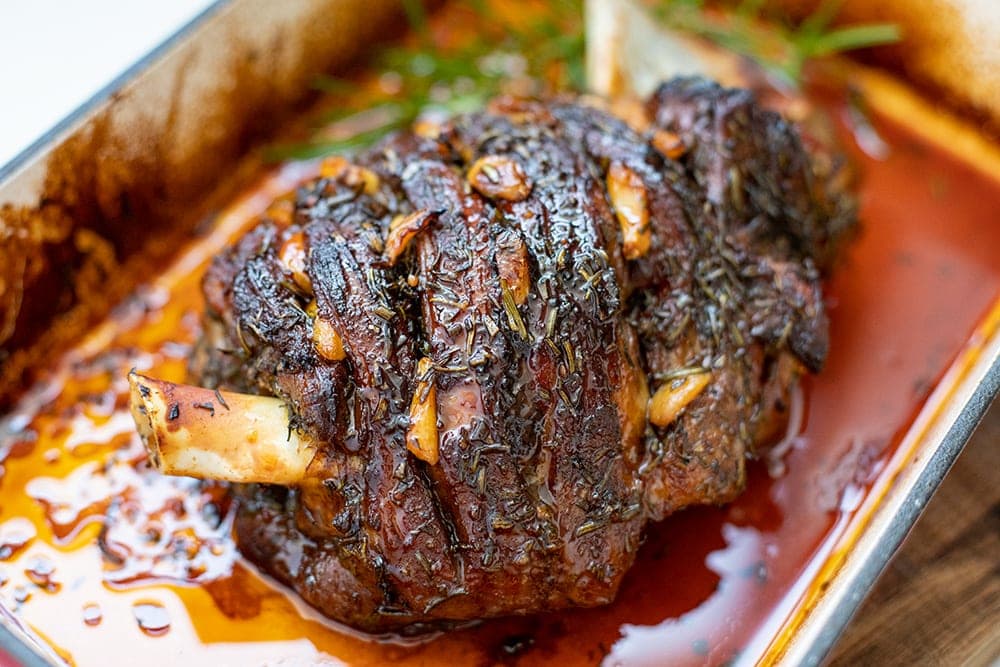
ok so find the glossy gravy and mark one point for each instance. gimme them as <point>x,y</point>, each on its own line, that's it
<point>112,564</point>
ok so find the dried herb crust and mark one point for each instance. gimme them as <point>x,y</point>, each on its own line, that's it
<point>610,318</point>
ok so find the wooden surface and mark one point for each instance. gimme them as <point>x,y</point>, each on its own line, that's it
<point>938,602</point>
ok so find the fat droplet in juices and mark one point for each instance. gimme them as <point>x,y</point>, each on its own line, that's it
<point>40,571</point>
<point>151,617</point>
<point>15,534</point>
<point>92,614</point>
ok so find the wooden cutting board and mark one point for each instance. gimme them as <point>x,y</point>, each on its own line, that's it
<point>938,602</point>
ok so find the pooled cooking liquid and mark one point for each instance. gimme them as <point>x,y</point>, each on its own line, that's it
<point>110,563</point>
<point>529,468</point>
<point>85,525</point>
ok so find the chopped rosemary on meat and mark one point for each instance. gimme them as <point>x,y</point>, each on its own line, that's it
<point>478,376</point>
<point>513,315</point>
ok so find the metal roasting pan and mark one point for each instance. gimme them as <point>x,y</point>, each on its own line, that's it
<point>169,97</point>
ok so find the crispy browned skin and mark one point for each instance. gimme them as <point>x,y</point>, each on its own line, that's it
<point>551,306</point>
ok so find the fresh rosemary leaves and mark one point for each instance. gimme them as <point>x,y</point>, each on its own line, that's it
<point>539,49</point>
<point>781,49</point>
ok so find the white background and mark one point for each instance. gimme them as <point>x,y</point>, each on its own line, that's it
<point>55,54</point>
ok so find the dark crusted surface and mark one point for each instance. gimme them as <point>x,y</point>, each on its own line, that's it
<point>548,469</point>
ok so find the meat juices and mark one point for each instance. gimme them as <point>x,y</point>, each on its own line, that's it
<point>516,340</point>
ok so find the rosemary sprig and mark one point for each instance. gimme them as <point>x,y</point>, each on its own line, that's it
<point>417,18</point>
<point>542,52</point>
<point>781,49</point>
<point>543,49</point>
<point>314,149</point>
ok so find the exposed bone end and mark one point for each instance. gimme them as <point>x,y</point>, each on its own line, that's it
<point>630,52</point>
<point>198,432</point>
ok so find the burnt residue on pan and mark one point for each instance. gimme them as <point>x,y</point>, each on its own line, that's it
<point>130,184</point>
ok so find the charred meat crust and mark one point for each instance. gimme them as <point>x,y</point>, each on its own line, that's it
<point>544,344</point>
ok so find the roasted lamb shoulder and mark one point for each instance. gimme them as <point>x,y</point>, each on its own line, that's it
<point>456,375</point>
